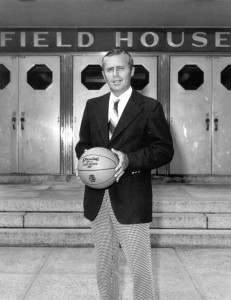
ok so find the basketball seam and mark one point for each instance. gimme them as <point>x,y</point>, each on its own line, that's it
<point>96,170</point>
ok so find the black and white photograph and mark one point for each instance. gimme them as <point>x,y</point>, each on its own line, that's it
<point>115,150</point>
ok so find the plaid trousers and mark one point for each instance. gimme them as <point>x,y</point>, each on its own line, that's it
<point>134,239</point>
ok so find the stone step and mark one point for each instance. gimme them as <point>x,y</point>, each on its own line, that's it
<point>14,219</point>
<point>187,205</point>
<point>68,198</point>
<point>52,215</point>
<point>76,220</point>
<point>219,221</point>
<point>179,220</point>
<point>83,237</point>
<point>192,198</point>
<point>190,238</point>
<point>73,204</point>
<point>35,197</point>
<point>157,179</point>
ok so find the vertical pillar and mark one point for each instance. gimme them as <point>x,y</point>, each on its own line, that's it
<point>163,91</point>
<point>66,115</point>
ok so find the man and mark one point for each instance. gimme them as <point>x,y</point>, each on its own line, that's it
<point>135,129</point>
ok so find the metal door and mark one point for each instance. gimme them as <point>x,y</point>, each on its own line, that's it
<point>39,113</point>
<point>88,83</point>
<point>200,115</point>
<point>190,114</point>
<point>221,120</point>
<point>8,114</point>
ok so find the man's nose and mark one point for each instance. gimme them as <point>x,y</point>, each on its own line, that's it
<point>115,72</point>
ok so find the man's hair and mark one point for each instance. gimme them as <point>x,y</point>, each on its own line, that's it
<point>119,52</point>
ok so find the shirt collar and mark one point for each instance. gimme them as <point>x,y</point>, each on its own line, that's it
<point>124,97</point>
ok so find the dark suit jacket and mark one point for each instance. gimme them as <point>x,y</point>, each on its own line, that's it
<point>143,134</point>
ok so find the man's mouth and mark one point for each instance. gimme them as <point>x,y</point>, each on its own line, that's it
<point>116,81</point>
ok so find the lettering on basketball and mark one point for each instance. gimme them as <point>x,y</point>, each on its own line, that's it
<point>92,178</point>
<point>90,159</point>
<point>88,162</point>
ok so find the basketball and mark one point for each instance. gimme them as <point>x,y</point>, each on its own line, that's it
<point>96,167</point>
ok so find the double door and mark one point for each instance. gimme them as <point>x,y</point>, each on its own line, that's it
<point>29,114</point>
<point>200,106</point>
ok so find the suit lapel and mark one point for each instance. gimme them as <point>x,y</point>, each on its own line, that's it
<point>101,114</point>
<point>131,110</point>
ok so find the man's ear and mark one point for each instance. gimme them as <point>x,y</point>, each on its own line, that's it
<point>132,71</point>
<point>103,75</point>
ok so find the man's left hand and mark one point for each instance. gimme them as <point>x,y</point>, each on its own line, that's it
<point>123,163</point>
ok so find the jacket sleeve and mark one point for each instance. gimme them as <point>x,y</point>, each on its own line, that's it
<point>84,135</point>
<point>158,150</point>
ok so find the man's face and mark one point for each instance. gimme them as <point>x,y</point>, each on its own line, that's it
<point>117,73</point>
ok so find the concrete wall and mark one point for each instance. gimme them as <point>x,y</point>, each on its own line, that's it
<point>105,13</point>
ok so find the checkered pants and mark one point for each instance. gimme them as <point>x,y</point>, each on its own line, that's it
<point>135,243</point>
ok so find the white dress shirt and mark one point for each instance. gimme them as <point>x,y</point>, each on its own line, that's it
<point>122,103</point>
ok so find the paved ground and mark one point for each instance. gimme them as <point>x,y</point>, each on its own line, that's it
<point>34,273</point>
<point>69,274</point>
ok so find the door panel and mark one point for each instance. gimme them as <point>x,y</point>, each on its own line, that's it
<point>221,121</point>
<point>88,86</point>
<point>190,107</point>
<point>81,93</point>
<point>199,150</point>
<point>39,112</point>
<point>8,114</point>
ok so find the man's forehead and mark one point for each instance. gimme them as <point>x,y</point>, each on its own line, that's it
<point>120,59</point>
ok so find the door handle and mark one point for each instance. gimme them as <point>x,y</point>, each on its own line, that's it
<point>22,123</point>
<point>14,121</point>
<point>22,120</point>
<point>216,124</point>
<point>207,121</point>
